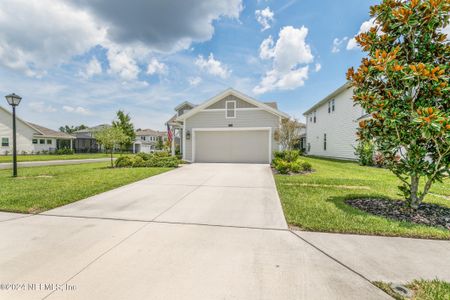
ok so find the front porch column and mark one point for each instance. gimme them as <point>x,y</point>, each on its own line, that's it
<point>71,144</point>
<point>173,141</point>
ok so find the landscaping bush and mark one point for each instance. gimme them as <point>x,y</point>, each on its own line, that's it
<point>306,166</point>
<point>287,155</point>
<point>283,166</point>
<point>124,162</point>
<point>148,160</point>
<point>63,151</point>
<point>365,152</point>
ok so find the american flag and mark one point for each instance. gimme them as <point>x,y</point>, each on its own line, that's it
<point>169,134</point>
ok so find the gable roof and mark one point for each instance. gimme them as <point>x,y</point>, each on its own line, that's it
<point>268,107</point>
<point>47,132</point>
<point>150,132</point>
<point>341,89</point>
<point>93,128</point>
<point>185,103</point>
<point>41,130</point>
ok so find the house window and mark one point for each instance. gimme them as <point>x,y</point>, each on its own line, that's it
<point>325,142</point>
<point>42,142</point>
<point>315,119</point>
<point>34,141</point>
<point>5,142</point>
<point>49,142</point>
<point>230,109</point>
<point>142,138</point>
<point>332,105</point>
<point>310,118</point>
<point>329,106</point>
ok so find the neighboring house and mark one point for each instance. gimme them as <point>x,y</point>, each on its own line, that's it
<point>302,136</point>
<point>31,138</point>
<point>86,142</point>
<point>331,125</point>
<point>230,127</point>
<point>147,140</point>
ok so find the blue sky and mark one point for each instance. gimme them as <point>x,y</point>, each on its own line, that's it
<point>78,61</point>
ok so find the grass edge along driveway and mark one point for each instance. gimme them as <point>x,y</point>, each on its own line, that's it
<point>47,157</point>
<point>315,202</point>
<point>42,188</point>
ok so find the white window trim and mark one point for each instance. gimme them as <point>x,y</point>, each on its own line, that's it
<point>269,129</point>
<point>226,109</point>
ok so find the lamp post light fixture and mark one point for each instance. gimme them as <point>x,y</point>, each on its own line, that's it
<point>14,101</point>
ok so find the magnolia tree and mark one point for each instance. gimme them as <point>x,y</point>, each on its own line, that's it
<point>404,84</point>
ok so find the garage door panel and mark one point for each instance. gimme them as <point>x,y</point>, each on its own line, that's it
<point>232,146</point>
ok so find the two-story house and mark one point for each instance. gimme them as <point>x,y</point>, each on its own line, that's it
<point>229,127</point>
<point>147,140</point>
<point>331,125</point>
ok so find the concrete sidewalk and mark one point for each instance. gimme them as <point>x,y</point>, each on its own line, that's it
<point>203,231</point>
<point>26,164</point>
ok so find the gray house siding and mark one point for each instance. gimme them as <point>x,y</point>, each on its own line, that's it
<point>239,103</point>
<point>244,118</point>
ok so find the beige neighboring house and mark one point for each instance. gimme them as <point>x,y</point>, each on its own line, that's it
<point>230,127</point>
<point>31,138</point>
<point>331,125</point>
<point>147,140</point>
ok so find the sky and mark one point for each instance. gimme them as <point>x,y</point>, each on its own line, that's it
<point>79,61</point>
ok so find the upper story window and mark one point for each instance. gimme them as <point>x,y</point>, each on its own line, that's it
<point>142,138</point>
<point>5,142</point>
<point>331,106</point>
<point>230,111</point>
<point>315,118</point>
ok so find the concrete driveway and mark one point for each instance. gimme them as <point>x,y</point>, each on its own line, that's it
<point>204,231</point>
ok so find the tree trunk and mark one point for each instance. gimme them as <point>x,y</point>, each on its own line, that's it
<point>414,200</point>
<point>112,164</point>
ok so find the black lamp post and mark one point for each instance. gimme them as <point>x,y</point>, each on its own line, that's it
<point>14,101</point>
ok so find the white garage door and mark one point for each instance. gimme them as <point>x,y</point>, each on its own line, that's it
<point>232,146</point>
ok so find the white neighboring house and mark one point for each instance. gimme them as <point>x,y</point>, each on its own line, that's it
<point>331,125</point>
<point>31,138</point>
<point>147,140</point>
<point>229,127</point>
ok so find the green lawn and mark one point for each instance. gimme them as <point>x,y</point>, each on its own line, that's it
<point>42,188</point>
<point>422,289</point>
<point>316,201</point>
<point>45,157</point>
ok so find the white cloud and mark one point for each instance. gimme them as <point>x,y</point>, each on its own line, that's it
<point>365,27</point>
<point>76,109</point>
<point>317,67</point>
<point>40,107</point>
<point>92,68</point>
<point>122,63</point>
<point>212,66</point>
<point>194,81</point>
<point>337,43</point>
<point>290,57</point>
<point>156,67</point>
<point>37,34</point>
<point>264,17</point>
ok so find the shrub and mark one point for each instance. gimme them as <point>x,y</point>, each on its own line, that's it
<point>365,152</point>
<point>306,166</point>
<point>144,156</point>
<point>282,166</point>
<point>295,166</point>
<point>287,155</point>
<point>138,161</point>
<point>124,162</point>
<point>63,151</point>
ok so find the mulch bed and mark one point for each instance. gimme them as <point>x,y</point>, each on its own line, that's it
<point>426,214</point>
